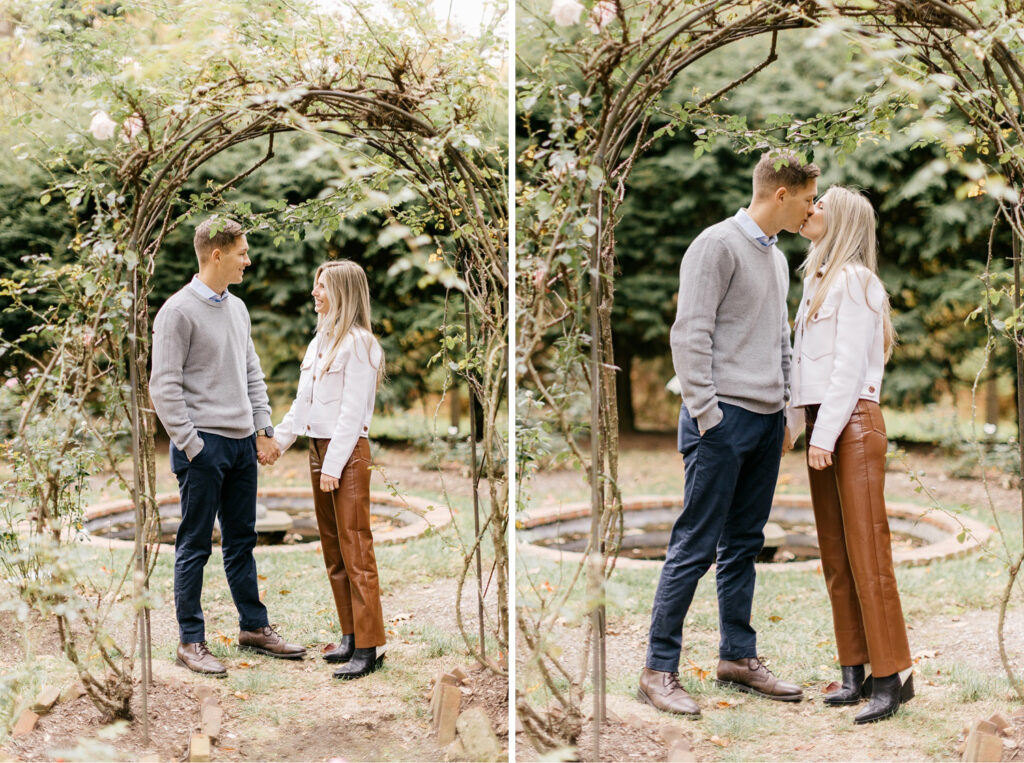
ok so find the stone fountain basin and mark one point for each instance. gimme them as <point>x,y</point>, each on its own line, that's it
<point>939,529</point>
<point>415,515</point>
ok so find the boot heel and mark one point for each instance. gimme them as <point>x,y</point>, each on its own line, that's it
<point>907,690</point>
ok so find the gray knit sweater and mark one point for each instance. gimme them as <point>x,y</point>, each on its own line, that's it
<point>206,376</point>
<point>730,339</point>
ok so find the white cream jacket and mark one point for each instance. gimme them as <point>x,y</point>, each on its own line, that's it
<point>335,402</point>
<point>839,351</point>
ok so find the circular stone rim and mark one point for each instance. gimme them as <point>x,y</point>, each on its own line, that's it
<point>977,534</point>
<point>429,515</point>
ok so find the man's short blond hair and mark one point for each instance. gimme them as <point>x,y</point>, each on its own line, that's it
<point>782,169</point>
<point>215,233</point>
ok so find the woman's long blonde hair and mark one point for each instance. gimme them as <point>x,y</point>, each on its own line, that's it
<point>348,306</point>
<point>849,239</point>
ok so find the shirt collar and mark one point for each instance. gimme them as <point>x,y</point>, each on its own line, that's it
<point>753,230</point>
<point>206,292</point>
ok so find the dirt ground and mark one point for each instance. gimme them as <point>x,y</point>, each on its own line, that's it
<point>276,710</point>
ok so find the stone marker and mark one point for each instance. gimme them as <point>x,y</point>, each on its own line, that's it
<point>680,752</point>
<point>983,744</point>
<point>209,723</point>
<point>447,713</point>
<point>450,679</point>
<point>477,736</point>
<point>435,693</point>
<point>986,727</point>
<point>199,748</point>
<point>26,723</point>
<point>1000,721</point>
<point>46,700</point>
<point>203,692</point>
<point>72,692</point>
<point>459,674</point>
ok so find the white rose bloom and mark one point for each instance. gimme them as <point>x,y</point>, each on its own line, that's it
<point>601,15</point>
<point>566,12</point>
<point>102,126</point>
<point>132,126</point>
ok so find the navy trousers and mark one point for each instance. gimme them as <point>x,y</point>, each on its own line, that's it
<point>730,481</point>
<point>219,483</point>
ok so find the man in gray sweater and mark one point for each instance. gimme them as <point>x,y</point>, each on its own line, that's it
<point>731,352</point>
<point>208,390</point>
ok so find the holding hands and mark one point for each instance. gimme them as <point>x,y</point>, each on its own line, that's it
<point>267,450</point>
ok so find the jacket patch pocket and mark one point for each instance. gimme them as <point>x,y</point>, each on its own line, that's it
<point>328,382</point>
<point>819,333</point>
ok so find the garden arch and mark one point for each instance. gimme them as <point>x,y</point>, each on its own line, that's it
<point>410,110</point>
<point>602,91</point>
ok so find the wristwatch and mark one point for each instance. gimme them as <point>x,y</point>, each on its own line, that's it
<point>266,432</point>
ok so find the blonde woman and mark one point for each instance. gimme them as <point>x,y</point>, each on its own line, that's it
<point>333,407</point>
<point>844,336</point>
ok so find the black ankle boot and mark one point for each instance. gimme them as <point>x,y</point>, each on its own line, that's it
<point>887,694</point>
<point>343,651</point>
<point>362,663</point>
<point>853,687</point>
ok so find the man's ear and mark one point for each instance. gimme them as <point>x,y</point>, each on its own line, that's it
<point>780,194</point>
<point>215,257</point>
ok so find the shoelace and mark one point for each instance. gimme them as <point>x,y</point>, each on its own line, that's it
<point>673,681</point>
<point>202,650</point>
<point>760,666</point>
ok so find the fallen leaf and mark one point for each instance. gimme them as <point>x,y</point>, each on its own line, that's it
<point>698,671</point>
<point>226,640</point>
<point>926,654</point>
<point>774,618</point>
<point>284,592</point>
<point>834,686</point>
<point>724,703</point>
<point>719,741</point>
<point>241,695</point>
<point>399,618</point>
<point>245,665</point>
<point>261,577</point>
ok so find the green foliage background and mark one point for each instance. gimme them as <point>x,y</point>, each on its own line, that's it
<point>277,285</point>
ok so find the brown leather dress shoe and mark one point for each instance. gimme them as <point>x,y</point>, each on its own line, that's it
<point>662,690</point>
<point>751,675</point>
<point>197,658</point>
<point>267,641</point>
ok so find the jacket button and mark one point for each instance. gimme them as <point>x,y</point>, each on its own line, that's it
<point>871,389</point>
<point>815,316</point>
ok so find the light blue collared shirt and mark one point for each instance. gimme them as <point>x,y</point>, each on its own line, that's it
<point>753,230</point>
<point>206,292</point>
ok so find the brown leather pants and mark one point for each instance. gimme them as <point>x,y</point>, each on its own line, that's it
<point>856,551</point>
<point>343,516</point>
